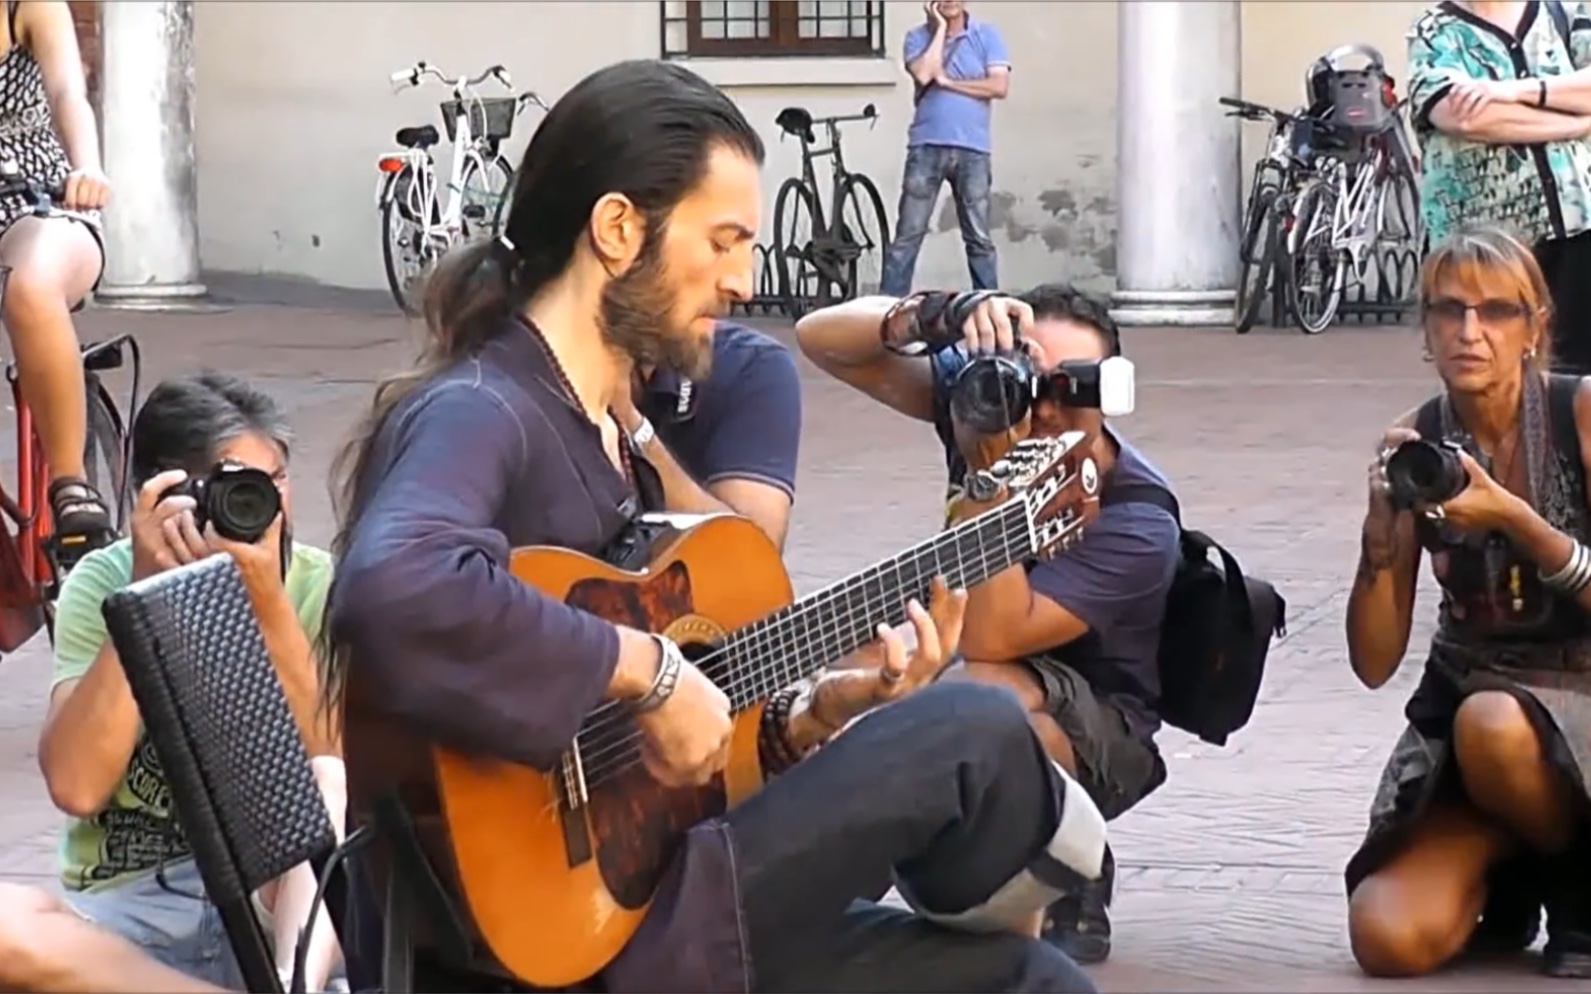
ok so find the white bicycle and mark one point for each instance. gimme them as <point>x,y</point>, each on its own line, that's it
<point>418,226</point>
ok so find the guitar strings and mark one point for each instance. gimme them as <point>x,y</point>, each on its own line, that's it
<point>610,713</point>
<point>614,757</point>
<point>598,762</point>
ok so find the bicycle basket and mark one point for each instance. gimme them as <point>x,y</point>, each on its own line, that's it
<point>490,117</point>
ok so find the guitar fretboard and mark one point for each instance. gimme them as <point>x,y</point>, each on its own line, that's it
<point>824,626</point>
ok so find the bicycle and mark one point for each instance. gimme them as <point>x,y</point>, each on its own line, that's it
<point>30,572</point>
<point>478,182</point>
<point>825,266</point>
<point>1352,206</point>
<point>1267,213</point>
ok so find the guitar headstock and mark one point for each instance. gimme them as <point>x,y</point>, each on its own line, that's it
<point>1057,480</point>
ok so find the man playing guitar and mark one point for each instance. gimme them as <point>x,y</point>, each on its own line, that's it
<point>631,231</point>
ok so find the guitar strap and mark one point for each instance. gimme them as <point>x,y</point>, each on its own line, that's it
<point>397,944</point>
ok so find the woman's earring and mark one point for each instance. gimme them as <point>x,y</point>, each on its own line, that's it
<point>1425,352</point>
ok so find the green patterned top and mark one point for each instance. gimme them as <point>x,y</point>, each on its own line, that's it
<point>1537,191</point>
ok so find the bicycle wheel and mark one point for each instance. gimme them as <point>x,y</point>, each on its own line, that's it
<point>105,452</point>
<point>403,248</point>
<point>1257,256</point>
<point>1318,271</point>
<point>483,192</point>
<point>864,229</point>
<point>795,215</point>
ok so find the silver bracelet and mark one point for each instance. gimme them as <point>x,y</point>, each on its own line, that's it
<point>669,663</point>
<point>1574,576</point>
<point>643,434</point>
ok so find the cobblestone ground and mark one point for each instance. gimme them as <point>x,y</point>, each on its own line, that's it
<point>1230,874</point>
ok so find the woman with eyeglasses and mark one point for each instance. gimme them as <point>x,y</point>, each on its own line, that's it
<point>1480,817</point>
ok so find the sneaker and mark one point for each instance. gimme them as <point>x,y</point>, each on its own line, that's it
<point>1079,924</point>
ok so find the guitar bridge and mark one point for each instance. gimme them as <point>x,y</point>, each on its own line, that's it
<point>572,809</point>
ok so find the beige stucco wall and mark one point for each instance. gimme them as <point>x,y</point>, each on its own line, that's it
<point>294,108</point>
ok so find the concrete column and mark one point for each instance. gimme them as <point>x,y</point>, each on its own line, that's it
<point>146,116</point>
<point>1178,167</point>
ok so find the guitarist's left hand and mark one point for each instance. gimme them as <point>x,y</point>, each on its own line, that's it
<point>885,671</point>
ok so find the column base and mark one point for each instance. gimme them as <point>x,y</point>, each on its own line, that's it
<point>1173,308</point>
<point>185,297</point>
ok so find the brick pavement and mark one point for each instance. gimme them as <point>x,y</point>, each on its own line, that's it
<point>1230,874</point>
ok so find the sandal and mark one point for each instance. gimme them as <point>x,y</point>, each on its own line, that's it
<point>82,521</point>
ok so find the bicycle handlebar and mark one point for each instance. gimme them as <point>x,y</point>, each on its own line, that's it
<point>1255,112</point>
<point>421,69</point>
<point>869,113</point>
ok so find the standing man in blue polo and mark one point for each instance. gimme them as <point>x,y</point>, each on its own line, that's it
<point>960,66</point>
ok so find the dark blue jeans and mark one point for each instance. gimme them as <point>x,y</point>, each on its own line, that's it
<point>971,179</point>
<point>951,791</point>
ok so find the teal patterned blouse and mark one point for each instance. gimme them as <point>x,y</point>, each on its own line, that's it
<point>1537,191</point>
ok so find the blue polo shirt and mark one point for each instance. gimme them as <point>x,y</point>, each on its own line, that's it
<point>743,421</point>
<point>955,119</point>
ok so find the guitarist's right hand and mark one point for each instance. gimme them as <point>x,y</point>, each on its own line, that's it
<point>685,740</point>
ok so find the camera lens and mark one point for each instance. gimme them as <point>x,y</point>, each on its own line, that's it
<point>243,503</point>
<point>1420,472</point>
<point>993,393</point>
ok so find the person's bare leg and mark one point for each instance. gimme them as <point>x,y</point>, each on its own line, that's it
<point>1416,913</point>
<point>1506,773</point>
<point>53,264</point>
<point>47,948</point>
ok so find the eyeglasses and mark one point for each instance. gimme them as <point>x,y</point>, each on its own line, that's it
<point>1450,312</point>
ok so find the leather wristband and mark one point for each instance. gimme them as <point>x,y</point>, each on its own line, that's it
<point>916,325</point>
<point>669,664</point>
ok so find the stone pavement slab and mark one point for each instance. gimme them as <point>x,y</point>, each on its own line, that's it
<point>1230,874</point>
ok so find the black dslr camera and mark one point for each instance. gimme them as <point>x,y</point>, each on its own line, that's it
<point>240,501</point>
<point>1422,472</point>
<point>994,392</point>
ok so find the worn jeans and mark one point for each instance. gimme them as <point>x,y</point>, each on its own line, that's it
<point>971,179</point>
<point>949,795</point>
<point>170,921</point>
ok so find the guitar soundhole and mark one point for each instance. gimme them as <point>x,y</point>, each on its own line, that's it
<point>636,823</point>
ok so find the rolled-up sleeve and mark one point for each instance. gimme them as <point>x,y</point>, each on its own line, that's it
<point>1435,64</point>
<point>441,633</point>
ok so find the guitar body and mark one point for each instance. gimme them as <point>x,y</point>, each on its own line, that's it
<point>557,889</point>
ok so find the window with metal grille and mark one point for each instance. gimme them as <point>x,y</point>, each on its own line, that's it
<point>736,28</point>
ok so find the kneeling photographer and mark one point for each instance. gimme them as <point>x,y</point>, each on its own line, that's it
<point>1481,813</point>
<point>209,460</point>
<point>1076,636</point>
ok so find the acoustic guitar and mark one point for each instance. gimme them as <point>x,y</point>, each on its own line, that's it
<point>557,869</point>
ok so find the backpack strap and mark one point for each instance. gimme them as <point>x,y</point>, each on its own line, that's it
<point>1561,388</point>
<point>1143,493</point>
<point>1560,20</point>
<point>1428,419</point>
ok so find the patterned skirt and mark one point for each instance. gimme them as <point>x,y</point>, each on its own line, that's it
<point>1552,684</point>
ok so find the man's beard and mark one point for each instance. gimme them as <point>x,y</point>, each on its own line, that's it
<point>635,312</point>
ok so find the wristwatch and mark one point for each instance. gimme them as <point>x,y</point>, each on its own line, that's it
<point>643,433</point>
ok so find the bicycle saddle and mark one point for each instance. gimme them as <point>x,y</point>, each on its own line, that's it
<point>796,121</point>
<point>424,136</point>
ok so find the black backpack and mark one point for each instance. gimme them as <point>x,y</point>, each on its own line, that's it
<point>1217,630</point>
